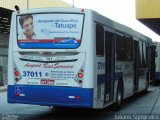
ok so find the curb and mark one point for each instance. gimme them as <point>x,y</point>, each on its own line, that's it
<point>3,89</point>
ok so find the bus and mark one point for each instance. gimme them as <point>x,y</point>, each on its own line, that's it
<point>156,65</point>
<point>72,57</point>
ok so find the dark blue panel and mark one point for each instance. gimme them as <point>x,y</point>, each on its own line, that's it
<point>102,77</point>
<point>50,96</point>
<point>157,75</point>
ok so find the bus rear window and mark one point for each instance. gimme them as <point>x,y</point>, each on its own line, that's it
<point>49,31</point>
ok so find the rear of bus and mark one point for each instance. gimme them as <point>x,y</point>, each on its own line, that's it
<point>48,67</point>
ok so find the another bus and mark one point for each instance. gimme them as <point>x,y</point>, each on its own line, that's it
<point>156,64</point>
<point>74,57</point>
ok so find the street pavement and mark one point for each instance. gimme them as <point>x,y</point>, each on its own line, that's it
<point>143,106</point>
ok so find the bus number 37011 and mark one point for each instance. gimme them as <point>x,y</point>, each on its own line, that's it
<point>32,74</point>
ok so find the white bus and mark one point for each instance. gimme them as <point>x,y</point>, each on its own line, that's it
<point>74,58</point>
<point>156,63</point>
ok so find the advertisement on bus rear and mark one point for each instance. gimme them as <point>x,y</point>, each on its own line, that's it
<point>49,31</point>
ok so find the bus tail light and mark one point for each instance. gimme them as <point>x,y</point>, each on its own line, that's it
<point>16,79</point>
<point>80,81</point>
<point>80,76</point>
<point>17,74</point>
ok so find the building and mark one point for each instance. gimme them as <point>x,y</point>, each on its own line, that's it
<point>148,13</point>
<point>6,9</point>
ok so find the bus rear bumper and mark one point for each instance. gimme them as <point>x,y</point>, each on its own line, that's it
<point>51,95</point>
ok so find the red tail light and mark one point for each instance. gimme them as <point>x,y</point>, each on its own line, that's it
<point>16,73</point>
<point>16,79</point>
<point>80,75</point>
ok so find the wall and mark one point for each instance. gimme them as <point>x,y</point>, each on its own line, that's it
<point>25,4</point>
<point>4,56</point>
<point>147,9</point>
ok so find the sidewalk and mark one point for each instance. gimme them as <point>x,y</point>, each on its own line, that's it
<point>3,88</point>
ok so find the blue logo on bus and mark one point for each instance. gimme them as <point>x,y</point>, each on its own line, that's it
<point>19,90</point>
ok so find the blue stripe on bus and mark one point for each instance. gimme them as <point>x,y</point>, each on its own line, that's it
<point>47,45</point>
<point>51,95</point>
<point>102,77</point>
<point>157,75</point>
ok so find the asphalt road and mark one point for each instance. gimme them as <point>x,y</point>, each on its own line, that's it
<point>143,106</point>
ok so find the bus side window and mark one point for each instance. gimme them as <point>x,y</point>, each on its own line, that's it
<point>120,51</point>
<point>99,40</point>
<point>147,55</point>
<point>144,58</point>
<point>143,55</point>
<point>128,48</point>
<point>140,54</point>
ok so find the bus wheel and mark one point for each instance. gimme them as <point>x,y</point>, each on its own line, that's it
<point>119,96</point>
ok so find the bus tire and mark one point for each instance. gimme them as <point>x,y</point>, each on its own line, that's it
<point>119,95</point>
